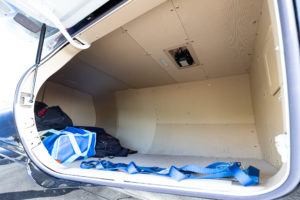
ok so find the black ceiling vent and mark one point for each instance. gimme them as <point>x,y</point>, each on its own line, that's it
<point>183,56</point>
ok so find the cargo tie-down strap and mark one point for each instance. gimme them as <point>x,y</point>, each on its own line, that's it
<point>216,170</point>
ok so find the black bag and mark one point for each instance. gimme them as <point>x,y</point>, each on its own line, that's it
<point>50,117</point>
<point>39,107</point>
<point>107,145</point>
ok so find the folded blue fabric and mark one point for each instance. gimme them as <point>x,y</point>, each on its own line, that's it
<point>70,144</point>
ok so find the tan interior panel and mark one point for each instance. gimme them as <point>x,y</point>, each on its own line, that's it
<point>271,64</point>
<point>106,112</point>
<point>120,17</point>
<point>136,118</point>
<point>267,101</point>
<point>160,26</point>
<point>210,27</point>
<point>79,106</point>
<point>217,101</point>
<point>218,110</point>
<point>223,32</point>
<point>84,77</point>
<point>216,140</point>
<point>119,55</point>
<point>161,29</point>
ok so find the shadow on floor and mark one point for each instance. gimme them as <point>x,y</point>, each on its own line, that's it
<point>29,194</point>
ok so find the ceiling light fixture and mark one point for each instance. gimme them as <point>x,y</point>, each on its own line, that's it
<point>164,62</point>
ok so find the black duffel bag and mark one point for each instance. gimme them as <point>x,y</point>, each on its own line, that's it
<point>50,117</point>
<point>107,145</point>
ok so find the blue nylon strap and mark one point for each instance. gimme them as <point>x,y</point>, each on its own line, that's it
<point>247,177</point>
<point>216,170</point>
<point>204,170</point>
<point>216,164</point>
<point>88,164</point>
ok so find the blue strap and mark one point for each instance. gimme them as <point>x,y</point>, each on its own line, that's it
<point>248,177</point>
<point>216,170</point>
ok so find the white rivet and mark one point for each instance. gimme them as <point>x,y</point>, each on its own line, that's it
<point>276,48</point>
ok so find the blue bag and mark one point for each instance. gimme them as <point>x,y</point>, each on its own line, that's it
<point>70,144</point>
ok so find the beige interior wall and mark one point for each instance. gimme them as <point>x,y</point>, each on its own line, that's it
<point>120,17</point>
<point>266,85</point>
<point>223,45</point>
<point>211,118</point>
<point>208,118</point>
<point>221,32</point>
<point>79,106</point>
<point>106,113</point>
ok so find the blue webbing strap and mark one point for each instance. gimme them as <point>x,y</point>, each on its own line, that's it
<point>216,170</point>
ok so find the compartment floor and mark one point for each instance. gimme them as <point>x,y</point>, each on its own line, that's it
<point>166,161</point>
